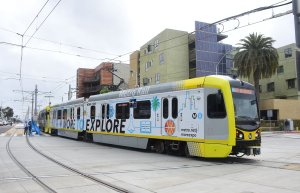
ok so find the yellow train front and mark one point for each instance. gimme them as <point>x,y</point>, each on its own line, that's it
<point>248,133</point>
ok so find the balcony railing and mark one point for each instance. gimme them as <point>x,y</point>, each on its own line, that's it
<point>89,80</point>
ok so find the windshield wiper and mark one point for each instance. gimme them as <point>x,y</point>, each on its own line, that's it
<point>247,118</point>
<point>244,117</point>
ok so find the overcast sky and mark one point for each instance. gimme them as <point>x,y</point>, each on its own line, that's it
<point>110,27</point>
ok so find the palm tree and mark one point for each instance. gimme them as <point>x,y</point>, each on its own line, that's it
<point>256,58</point>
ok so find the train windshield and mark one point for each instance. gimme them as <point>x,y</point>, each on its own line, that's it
<point>245,105</point>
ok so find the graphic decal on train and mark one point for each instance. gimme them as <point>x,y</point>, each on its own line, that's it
<point>106,125</point>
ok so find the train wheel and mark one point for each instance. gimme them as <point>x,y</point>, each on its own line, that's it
<point>160,147</point>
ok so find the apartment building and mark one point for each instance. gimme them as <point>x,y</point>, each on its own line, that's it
<point>113,76</point>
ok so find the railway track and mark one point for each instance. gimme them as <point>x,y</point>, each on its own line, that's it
<point>45,186</point>
<point>34,177</point>
<point>111,186</point>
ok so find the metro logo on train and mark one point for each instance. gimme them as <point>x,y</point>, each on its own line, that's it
<point>212,116</point>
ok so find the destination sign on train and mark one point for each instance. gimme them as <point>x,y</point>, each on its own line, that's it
<point>242,91</point>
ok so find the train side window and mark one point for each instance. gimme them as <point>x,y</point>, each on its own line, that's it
<point>165,108</point>
<point>65,113</point>
<point>59,114</point>
<point>174,108</point>
<point>142,110</point>
<point>72,113</point>
<point>107,111</point>
<point>78,112</point>
<point>122,111</point>
<point>93,112</point>
<point>54,114</point>
<point>103,111</point>
<point>216,106</point>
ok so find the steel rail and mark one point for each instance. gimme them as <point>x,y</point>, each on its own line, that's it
<point>106,184</point>
<point>35,178</point>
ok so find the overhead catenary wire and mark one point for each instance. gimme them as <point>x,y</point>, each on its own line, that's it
<point>35,18</point>
<point>43,22</point>
<point>174,46</point>
<point>118,56</point>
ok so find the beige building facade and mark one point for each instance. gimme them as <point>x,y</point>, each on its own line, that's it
<point>281,93</point>
<point>165,58</point>
<point>134,71</point>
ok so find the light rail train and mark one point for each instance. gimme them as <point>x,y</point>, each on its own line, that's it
<point>213,116</point>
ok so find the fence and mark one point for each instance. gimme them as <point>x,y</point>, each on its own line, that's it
<point>277,125</point>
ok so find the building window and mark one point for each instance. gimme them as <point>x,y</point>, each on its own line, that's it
<point>142,110</point>
<point>145,81</point>
<point>122,111</point>
<point>270,87</point>
<point>291,83</point>
<point>157,78</point>
<point>161,58</point>
<point>149,48</point>
<point>260,89</point>
<point>148,65</point>
<point>288,52</point>
<point>280,70</point>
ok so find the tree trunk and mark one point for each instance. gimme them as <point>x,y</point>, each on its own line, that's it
<point>256,85</point>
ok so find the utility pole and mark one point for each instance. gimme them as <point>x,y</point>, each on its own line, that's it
<point>296,12</point>
<point>35,104</point>
<point>32,106</point>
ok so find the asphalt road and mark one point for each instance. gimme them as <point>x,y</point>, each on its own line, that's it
<point>5,128</point>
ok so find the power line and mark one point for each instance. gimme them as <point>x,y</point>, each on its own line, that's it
<point>61,43</point>
<point>275,5</point>
<point>43,21</point>
<point>35,17</point>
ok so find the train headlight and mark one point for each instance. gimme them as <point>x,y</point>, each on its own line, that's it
<point>239,135</point>
<point>257,134</point>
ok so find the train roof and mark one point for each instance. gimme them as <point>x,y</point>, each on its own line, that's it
<point>153,89</point>
<point>72,102</point>
<point>164,87</point>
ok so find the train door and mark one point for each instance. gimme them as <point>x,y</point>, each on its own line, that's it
<point>216,121</point>
<point>191,109</point>
<point>79,123</point>
<point>169,115</point>
<point>105,112</point>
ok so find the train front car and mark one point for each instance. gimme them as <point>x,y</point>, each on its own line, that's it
<point>248,135</point>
